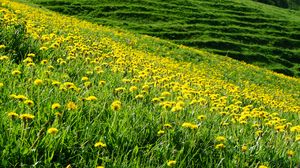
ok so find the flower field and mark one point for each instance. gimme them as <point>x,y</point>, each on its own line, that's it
<point>77,94</point>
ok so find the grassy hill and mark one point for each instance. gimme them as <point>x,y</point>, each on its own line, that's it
<point>76,94</point>
<point>292,4</point>
<point>244,30</point>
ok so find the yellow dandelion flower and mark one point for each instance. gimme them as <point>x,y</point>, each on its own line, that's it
<point>290,153</point>
<point>43,48</point>
<point>201,117</point>
<point>171,163</point>
<point>29,103</point>
<point>31,64</point>
<point>71,106</point>
<point>220,138</point>
<point>2,58</point>
<point>2,46</point>
<point>100,145</point>
<point>55,106</point>
<point>139,96</point>
<point>133,88</point>
<point>259,133</point>
<point>244,148</point>
<point>12,115</point>
<point>155,100</point>
<point>87,84</point>
<point>165,94</point>
<point>85,78</point>
<point>220,146</point>
<point>26,117</point>
<point>160,132</point>
<point>262,166</point>
<point>189,125</point>
<point>38,82</point>
<point>297,138</point>
<point>120,90</point>
<point>1,84</point>
<point>116,105</point>
<point>52,131</point>
<point>102,82</point>
<point>27,60</point>
<point>43,62</point>
<point>167,125</point>
<point>100,167</point>
<point>91,98</point>
<point>16,72</point>
<point>31,55</point>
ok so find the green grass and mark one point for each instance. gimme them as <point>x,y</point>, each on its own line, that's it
<point>156,81</point>
<point>261,34</point>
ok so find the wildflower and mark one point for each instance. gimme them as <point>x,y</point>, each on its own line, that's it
<point>84,78</point>
<point>16,72</point>
<point>52,131</point>
<point>139,96</point>
<point>155,100</point>
<point>160,132</point>
<point>201,117</point>
<point>1,84</point>
<point>44,48</point>
<point>220,146</point>
<point>55,83</point>
<point>91,98</point>
<point>12,115</point>
<point>220,138</point>
<point>119,90</point>
<point>167,125</point>
<point>171,163</point>
<point>100,167</point>
<point>87,84</point>
<point>116,105</point>
<point>2,46</point>
<point>38,82</point>
<point>31,64</point>
<point>55,106</point>
<point>28,60</point>
<point>297,138</point>
<point>100,145</point>
<point>71,106</point>
<point>29,103</point>
<point>290,153</point>
<point>259,133</point>
<point>165,94</point>
<point>102,82</point>
<point>133,88</point>
<point>19,97</point>
<point>189,125</point>
<point>26,117</point>
<point>31,55</point>
<point>244,148</point>
<point>262,166</point>
<point>4,58</point>
<point>145,87</point>
<point>43,62</point>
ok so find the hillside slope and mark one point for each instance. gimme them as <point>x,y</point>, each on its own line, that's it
<point>76,94</point>
<point>292,4</point>
<point>244,30</point>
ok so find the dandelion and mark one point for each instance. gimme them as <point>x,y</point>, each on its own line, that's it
<point>91,98</point>
<point>29,103</point>
<point>100,145</point>
<point>38,82</point>
<point>31,64</point>
<point>71,106</point>
<point>201,117</point>
<point>116,105</point>
<point>139,96</point>
<point>16,72</point>
<point>160,132</point>
<point>133,88</point>
<point>102,82</point>
<point>244,148</point>
<point>220,146</point>
<point>28,60</point>
<point>100,167</point>
<point>220,138</point>
<point>297,138</point>
<point>1,84</point>
<point>12,115</point>
<point>290,153</point>
<point>167,126</point>
<point>84,78</point>
<point>259,133</point>
<point>2,46</point>
<point>52,131</point>
<point>87,84</point>
<point>43,62</point>
<point>171,163</point>
<point>119,90</point>
<point>26,117</point>
<point>43,48</point>
<point>55,106</point>
<point>262,166</point>
<point>165,94</point>
<point>31,55</point>
<point>189,125</point>
<point>2,58</point>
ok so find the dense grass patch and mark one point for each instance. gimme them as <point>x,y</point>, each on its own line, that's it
<point>222,27</point>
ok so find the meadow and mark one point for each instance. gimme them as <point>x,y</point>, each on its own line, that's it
<point>78,94</point>
<point>259,34</point>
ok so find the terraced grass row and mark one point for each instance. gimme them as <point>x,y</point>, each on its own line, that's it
<point>237,29</point>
